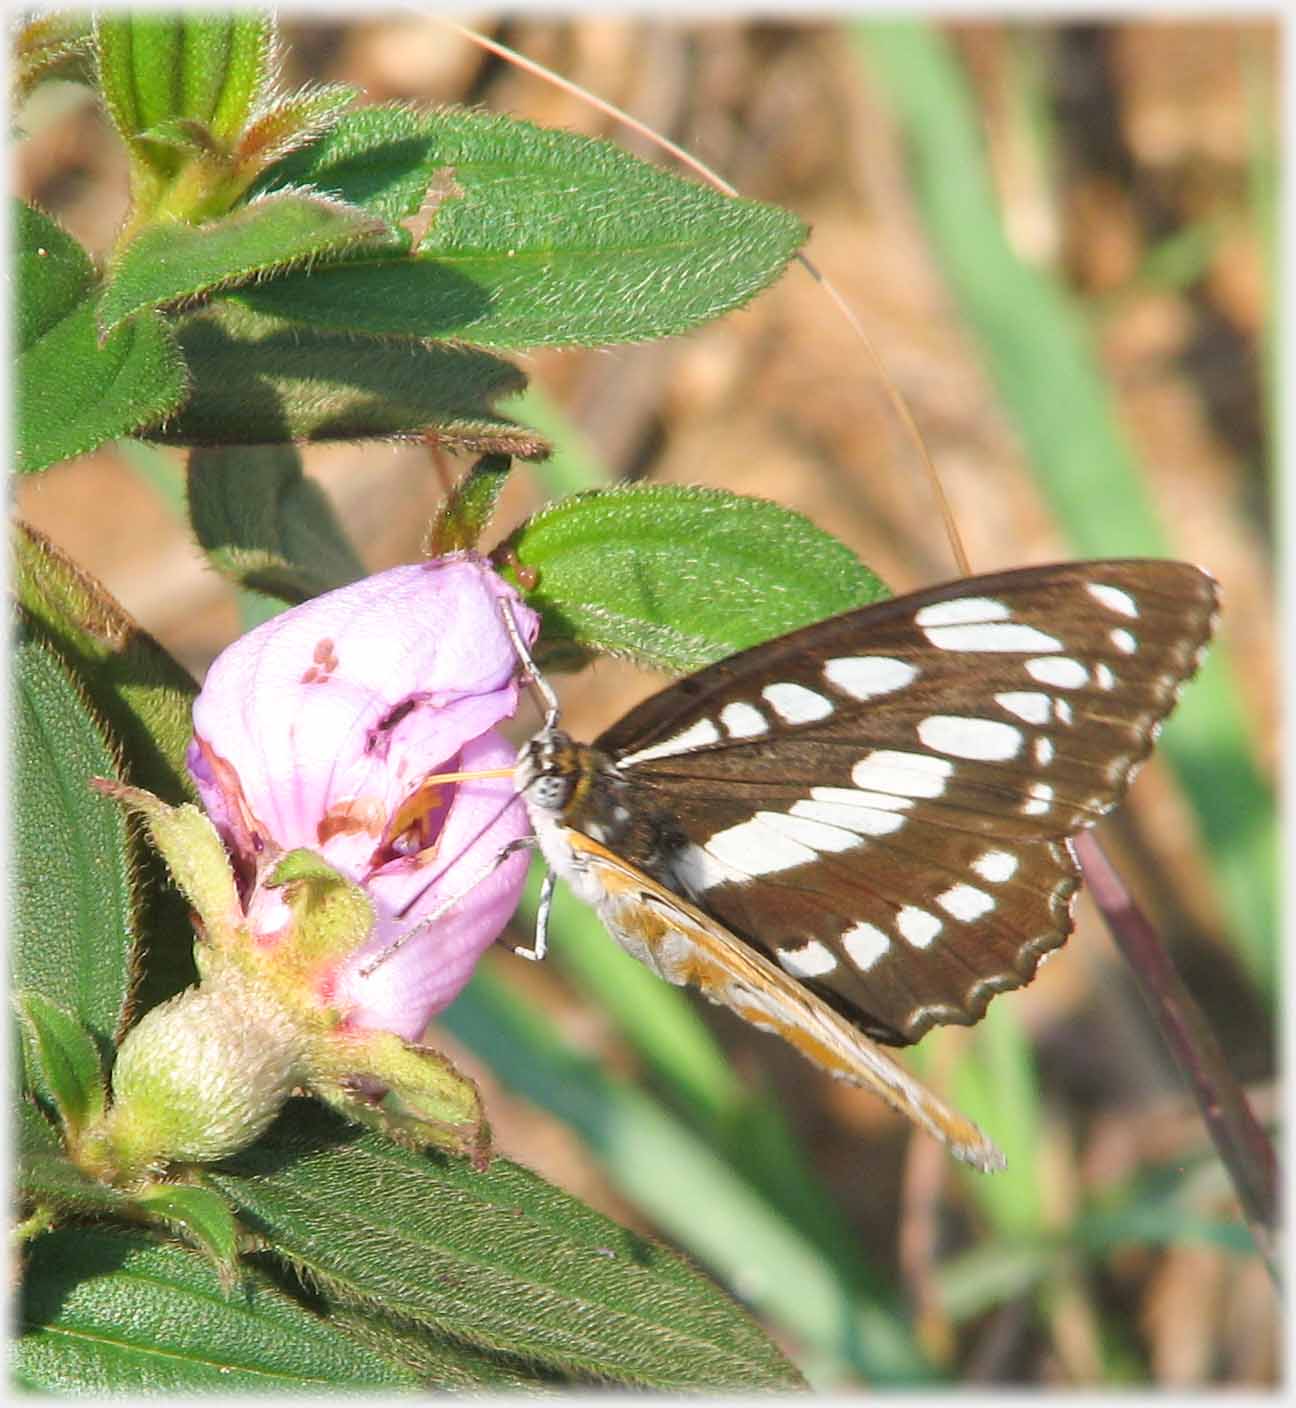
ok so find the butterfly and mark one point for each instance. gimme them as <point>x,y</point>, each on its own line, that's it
<point>861,830</point>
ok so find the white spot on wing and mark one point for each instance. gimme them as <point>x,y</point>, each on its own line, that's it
<point>965,902</point>
<point>697,735</point>
<point>1104,677</point>
<point>983,740</point>
<point>1124,640</point>
<point>1027,704</point>
<point>917,926</point>
<point>855,799</point>
<point>812,960</point>
<point>864,945</point>
<point>992,636</point>
<point>1062,710</point>
<point>1039,801</point>
<point>1113,598</point>
<point>904,774</point>
<point>1043,751</point>
<point>809,831</point>
<point>962,610</point>
<point>696,871</point>
<point>862,820</point>
<point>995,866</point>
<point>795,704</point>
<point>757,849</point>
<point>867,676</point>
<point>743,720</point>
<point>1065,673</point>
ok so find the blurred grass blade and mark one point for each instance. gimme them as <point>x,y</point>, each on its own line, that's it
<point>1037,347</point>
<point>743,1125</point>
<point>692,1194</point>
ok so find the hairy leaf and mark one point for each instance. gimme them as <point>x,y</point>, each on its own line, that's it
<point>145,698</point>
<point>71,393</point>
<point>259,380</point>
<point>114,1313</point>
<point>678,577</point>
<point>523,236</point>
<point>173,262</point>
<point>498,1258</point>
<point>265,525</point>
<point>72,922</point>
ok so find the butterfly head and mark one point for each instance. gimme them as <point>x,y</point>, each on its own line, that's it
<point>550,770</point>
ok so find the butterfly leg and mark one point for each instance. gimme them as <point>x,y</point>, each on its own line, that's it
<point>444,908</point>
<point>540,944</point>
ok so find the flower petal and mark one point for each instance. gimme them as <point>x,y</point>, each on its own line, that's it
<point>326,717</point>
<point>434,963</point>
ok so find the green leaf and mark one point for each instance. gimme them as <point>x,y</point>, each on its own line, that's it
<point>52,46</point>
<point>71,939</point>
<point>36,1134</point>
<point>444,1362</point>
<point>51,1179</point>
<point>201,1215</point>
<point>620,570</point>
<point>258,380</point>
<point>173,262</point>
<point>265,525</point>
<point>72,393</point>
<point>64,1060</point>
<point>145,697</point>
<point>156,69</point>
<point>142,692</point>
<point>524,236</point>
<point>497,1258</point>
<point>113,1313</point>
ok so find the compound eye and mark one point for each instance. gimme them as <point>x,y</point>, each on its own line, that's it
<point>551,791</point>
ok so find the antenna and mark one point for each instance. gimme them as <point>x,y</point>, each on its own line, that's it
<point>534,678</point>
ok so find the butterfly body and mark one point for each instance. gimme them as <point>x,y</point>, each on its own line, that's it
<point>862,829</point>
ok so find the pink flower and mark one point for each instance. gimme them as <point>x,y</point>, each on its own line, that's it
<point>319,729</point>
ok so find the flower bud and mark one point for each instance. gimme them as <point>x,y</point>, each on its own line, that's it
<point>200,1077</point>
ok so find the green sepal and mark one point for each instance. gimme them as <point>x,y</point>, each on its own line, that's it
<point>332,915</point>
<point>64,1058</point>
<point>468,508</point>
<point>201,1215</point>
<point>618,571</point>
<point>428,1104</point>
<point>194,853</point>
<point>265,525</point>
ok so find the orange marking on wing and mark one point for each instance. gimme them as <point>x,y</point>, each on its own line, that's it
<point>690,948</point>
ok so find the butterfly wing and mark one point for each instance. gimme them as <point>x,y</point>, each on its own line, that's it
<point>879,804</point>
<point>688,947</point>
